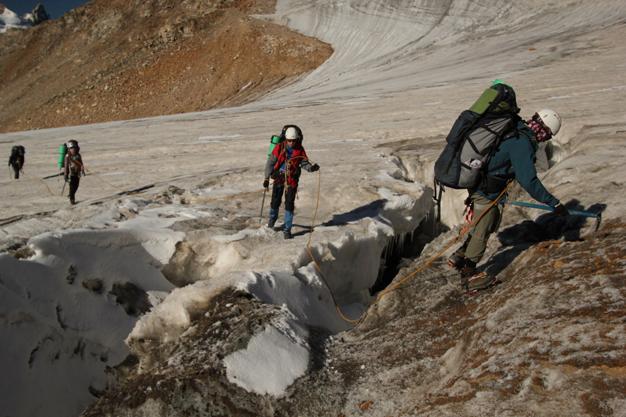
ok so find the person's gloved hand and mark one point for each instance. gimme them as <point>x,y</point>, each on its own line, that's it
<point>315,167</point>
<point>266,183</point>
<point>560,210</point>
<point>66,178</point>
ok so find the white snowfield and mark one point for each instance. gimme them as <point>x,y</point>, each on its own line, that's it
<point>400,74</point>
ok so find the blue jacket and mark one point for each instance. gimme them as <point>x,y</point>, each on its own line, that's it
<point>515,159</point>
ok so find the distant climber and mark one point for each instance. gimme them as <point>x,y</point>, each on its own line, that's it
<point>512,159</point>
<point>284,166</point>
<point>16,159</point>
<point>73,168</point>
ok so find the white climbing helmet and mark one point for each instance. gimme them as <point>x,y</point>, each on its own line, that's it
<point>291,133</point>
<point>550,119</point>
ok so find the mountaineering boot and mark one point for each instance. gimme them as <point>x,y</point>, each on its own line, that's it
<point>480,282</point>
<point>467,271</point>
<point>456,262</point>
<point>287,234</point>
<point>271,223</point>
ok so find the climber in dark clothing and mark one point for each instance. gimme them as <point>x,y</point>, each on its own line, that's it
<point>284,165</point>
<point>73,168</point>
<point>16,159</point>
<point>513,159</point>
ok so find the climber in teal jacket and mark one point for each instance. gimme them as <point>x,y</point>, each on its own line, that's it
<point>513,159</point>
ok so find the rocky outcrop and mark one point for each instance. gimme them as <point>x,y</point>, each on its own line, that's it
<point>39,14</point>
<point>187,376</point>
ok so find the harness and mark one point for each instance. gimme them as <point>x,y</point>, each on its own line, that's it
<point>75,164</point>
<point>286,169</point>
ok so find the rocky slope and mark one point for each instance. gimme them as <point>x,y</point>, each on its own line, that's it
<point>549,340</point>
<point>119,60</point>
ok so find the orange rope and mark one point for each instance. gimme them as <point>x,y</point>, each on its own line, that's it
<point>398,283</point>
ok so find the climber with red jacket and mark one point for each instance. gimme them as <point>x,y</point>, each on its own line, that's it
<point>284,166</point>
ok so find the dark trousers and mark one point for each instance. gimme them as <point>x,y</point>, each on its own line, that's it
<point>16,168</point>
<point>290,204</point>
<point>74,181</point>
<point>277,196</point>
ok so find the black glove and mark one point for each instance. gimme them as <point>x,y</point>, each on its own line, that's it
<point>315,167</point>
<point>266,183</point>
<point>560,210</point>
<point>66,178</point>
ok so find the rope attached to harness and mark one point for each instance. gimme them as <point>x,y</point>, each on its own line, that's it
<point>400,282</point>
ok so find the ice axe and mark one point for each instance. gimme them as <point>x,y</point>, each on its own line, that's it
<point>545,207</point>
<point>52,176</point>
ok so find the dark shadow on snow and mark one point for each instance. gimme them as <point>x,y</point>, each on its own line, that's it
<point>520,237</point>
<point>370,210</point>
<point>367,211</point>
<point>306,230</point>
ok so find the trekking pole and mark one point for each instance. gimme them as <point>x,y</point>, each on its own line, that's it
<point>262,204</point>
<point>63,189</point>
<point>545,207</point>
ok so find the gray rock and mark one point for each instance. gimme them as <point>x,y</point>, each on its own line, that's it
<point>94,285</point>
<point>39,14</point>
<point>133,299</point>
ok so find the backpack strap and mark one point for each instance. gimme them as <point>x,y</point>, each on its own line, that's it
<point>437,200</point>
<point>492,183</point>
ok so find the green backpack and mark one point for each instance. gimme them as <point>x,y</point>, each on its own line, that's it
<point>62,152</point>
<point>275,140</point>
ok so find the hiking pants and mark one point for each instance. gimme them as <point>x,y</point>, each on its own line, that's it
<point>476,242</point>
<point>74,181</point>
<point>290,203</point>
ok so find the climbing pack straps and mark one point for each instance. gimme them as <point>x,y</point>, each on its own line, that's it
<point>437,194</point>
